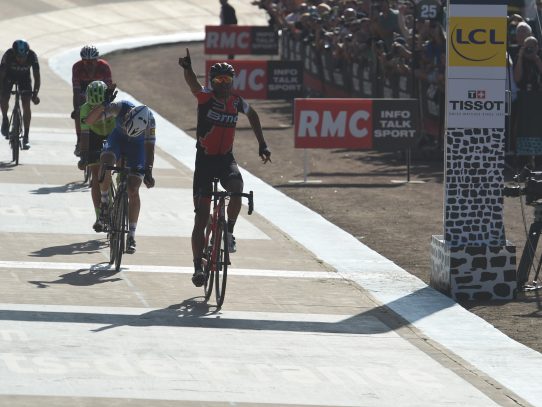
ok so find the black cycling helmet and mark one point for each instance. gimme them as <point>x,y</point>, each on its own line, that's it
<point>221,68</point>
<point>21,48</point>
<point>89,52</point>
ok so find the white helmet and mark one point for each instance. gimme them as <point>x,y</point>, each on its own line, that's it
<point>137,121</point>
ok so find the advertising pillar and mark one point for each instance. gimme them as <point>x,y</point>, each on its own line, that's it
<point>472,259</point>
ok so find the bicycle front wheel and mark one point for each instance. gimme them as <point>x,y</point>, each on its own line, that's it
<point>222,261</point>
<point>121,228</point>
<point>86,175</point>
<point>14,133</point>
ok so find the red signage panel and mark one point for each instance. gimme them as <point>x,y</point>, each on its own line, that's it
<point>333,123</point>
<point>250,79</point>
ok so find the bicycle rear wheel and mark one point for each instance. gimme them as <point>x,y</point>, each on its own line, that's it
<point>222,261</point>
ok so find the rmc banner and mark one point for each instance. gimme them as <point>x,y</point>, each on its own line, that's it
<point>266,79</point>
<point>240,39</point>
<point>380,124</point>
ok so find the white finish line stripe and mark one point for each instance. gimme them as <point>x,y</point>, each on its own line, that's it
<point>165,269</point>
<point>52,115</point>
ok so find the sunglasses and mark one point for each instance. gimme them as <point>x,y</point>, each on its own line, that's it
<point>223,79</point>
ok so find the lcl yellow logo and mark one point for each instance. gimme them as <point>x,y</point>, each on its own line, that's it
<point>476,41</point>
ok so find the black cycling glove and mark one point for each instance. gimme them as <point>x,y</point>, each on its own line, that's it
<point>186,62</point>
<point>110,93</point>
<point>148,180</point>
<point>263,151</point>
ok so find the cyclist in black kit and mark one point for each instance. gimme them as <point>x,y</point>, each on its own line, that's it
<point>217,117</point>
<point>15,68</point>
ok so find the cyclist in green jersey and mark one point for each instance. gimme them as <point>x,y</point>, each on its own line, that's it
<point>92,139</point>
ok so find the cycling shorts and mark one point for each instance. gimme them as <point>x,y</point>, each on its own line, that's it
<point>24,82</point>
<point>223,167</point>
<point>132,151</point>
<point>95,146</point>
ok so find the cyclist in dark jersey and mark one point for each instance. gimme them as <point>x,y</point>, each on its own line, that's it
<point>15,68</point>
<point>88,69</point>
<point>217,117</point>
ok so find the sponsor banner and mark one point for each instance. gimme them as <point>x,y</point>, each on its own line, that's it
<point>476,103</point>
<point>386,124</point>
<point>395,123</point>
<point>265,79</point>
<point>240,40</point>
<point>477,41</point>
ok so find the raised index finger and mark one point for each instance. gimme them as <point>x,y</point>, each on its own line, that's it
<point>187,53</point>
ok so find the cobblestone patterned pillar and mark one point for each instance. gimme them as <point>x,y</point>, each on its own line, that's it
<point>472,259</point>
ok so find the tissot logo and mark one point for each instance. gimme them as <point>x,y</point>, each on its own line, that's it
<point>477,41</point>
<point>476,94</point>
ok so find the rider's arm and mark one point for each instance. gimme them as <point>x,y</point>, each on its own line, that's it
<point>101,112</point>
<point>108,78</point>
<point>150,140</point>
<point>3,67</point>
<point>192,80</point>
<point>36,73</point>
<point>76,86</point>
<point>254,120</point>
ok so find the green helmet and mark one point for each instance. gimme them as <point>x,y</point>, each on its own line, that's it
<point>96,92</point>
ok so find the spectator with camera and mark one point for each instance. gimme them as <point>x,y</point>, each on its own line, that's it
<point>528,77</point>
<point>528,68</point>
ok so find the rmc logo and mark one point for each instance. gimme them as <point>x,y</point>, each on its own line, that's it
<point>476,41</point>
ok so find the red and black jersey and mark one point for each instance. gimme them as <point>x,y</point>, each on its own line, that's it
<point>16,70</point>
<point>81,77</point>
<point>216,121</point>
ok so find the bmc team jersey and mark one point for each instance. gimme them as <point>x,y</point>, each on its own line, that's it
<point>16,71</point>
<point>101,127</point>
<point>216,121</point>
<point>81,77</point>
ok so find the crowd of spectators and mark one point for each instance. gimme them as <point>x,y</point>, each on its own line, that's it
<point>393,36</point>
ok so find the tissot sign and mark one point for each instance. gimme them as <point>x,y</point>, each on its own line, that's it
<point>382,124</point>
<point>239,39</point>
<point>266,79</point>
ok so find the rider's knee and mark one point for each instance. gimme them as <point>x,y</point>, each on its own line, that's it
<point>107,157</point>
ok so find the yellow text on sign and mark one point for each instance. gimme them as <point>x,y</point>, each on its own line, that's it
<point>477,41</point>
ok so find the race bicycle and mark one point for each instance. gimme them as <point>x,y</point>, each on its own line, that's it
<point>216,254</point>
<point>117,220</point>
<point>16,130</point>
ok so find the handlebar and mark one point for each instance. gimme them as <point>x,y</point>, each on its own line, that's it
<point>249,196</point>
<point>114,168</point>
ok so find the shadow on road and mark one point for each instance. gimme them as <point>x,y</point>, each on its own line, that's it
<point>7,166</point>
<point>195,313</point>
<point>83,277</point>
<point>69,187</point>
<point>90,246</point>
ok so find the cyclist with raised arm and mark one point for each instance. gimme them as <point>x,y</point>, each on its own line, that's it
<point>218,110</point>
<point>15,68</point>
<point>92,139</point>
<point>88,69</point>
<point>133,139</point>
